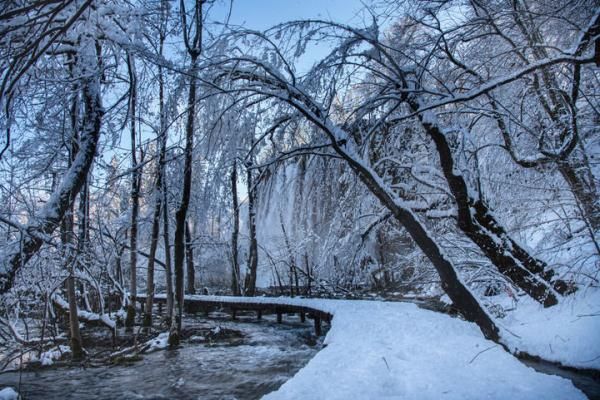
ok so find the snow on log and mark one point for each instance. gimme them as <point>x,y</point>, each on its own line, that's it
<point>84,316</point>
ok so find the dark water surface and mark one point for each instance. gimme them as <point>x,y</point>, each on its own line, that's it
<point>588,383</point>
<point>267,356</point>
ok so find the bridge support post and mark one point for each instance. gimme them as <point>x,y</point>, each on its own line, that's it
<point>317,320</point>
<point>233,312</point>
<point>279,316</point>
<point>259,314</point>
<point>302,317</point>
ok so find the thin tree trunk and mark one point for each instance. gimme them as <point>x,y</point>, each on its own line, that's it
<point>308,275</point>
<point>68,234</point>
<point>162,164</point>
<point>152,252</point>
<point>250,286</point>
<point>159,189</point>
<point>193,47</point>
<point>75,341</point>
<point>68,240</point>
<point>189,260</point>
<point>235,265</point>
<point>135,198</point>
<point>168,264</point>
<point>118,266</point>
<point>293,272</point>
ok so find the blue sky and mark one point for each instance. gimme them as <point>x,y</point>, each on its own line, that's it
<point>261,14</point>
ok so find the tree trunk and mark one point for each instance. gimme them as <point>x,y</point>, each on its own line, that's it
<point>159,189</point>
<point>51,214</point>
<point>168,264</point>
<point>235,265</point>
<point>194,47</point>
<point>461,296</point>
<point>292,261</point>
<point>181,214</point>
<point>162,171</point>
<point>478,223</point>
<point>135,198</point>
<point>75,340</point>
<point>68,234</point>
<point>152,252</point>
<point>583,189</point>
<point>250,284</point>
<point>189,259</point>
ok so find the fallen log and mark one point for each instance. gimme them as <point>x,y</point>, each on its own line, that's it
<point>84,316</point>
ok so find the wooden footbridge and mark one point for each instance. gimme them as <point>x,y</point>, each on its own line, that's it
<point>260,305</point>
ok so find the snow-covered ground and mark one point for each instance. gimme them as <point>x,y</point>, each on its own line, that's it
<point>568,333</point>
<point>391,350</point>
<point>8,394</point>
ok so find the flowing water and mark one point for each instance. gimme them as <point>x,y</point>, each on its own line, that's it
<point>588,383</point>
<point>267,356</point>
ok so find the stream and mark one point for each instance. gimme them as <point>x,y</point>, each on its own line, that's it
<point>586,382</point>
<point>268,355</point>
<point>265,357</point>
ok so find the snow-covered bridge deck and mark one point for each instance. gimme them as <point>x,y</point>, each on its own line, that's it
<point>262,305</point>
<point>393,350</point>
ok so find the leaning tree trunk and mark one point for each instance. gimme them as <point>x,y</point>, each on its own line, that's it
<point>135,198</point>
<point>235,264</point>
<point>63,197</point>
<point>250,284</point>
<point>462,298</point>
<point>479,224</point>
<point>580,179</point>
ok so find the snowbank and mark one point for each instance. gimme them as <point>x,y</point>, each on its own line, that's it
<point>567,333</point>
<point>56,353</point>
<point>8,394</point>
<point>377,350</point>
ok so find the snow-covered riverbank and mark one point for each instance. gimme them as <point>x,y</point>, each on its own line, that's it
<point>567,333</point>
<point>379,350</point>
